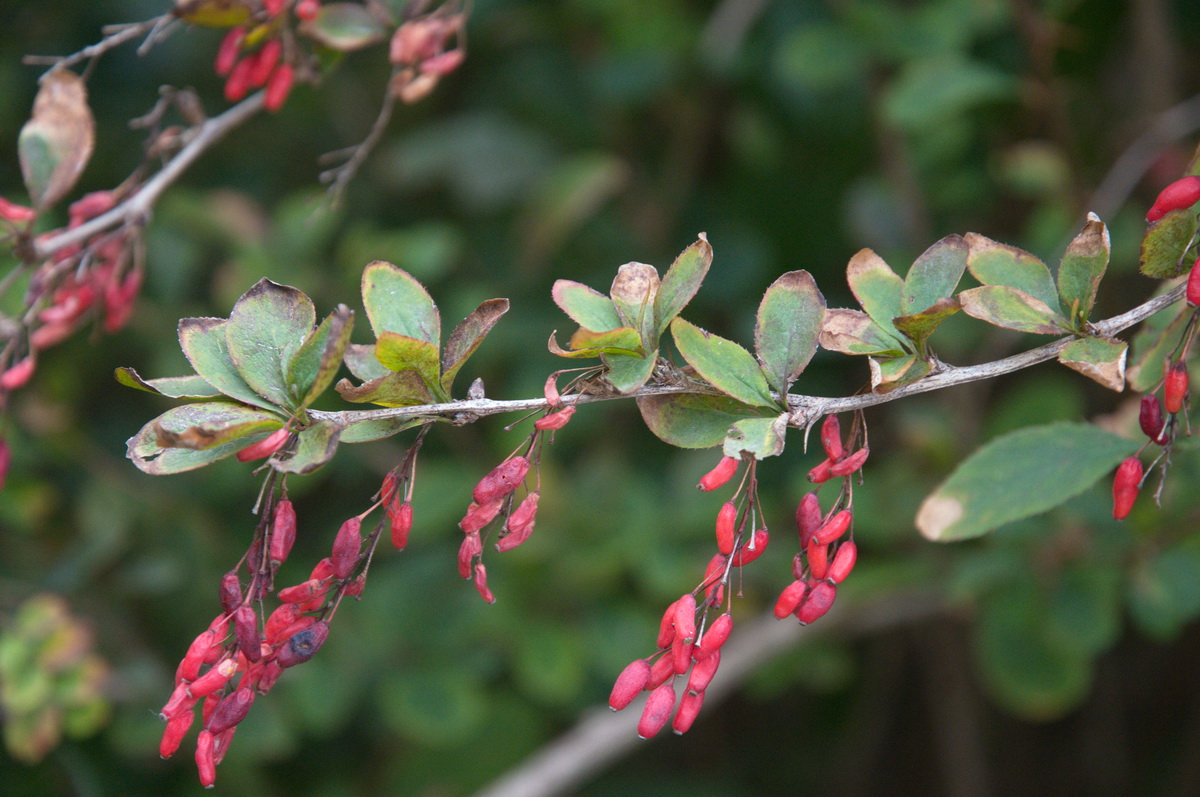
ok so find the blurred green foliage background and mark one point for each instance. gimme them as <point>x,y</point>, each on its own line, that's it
<point>577,136</point>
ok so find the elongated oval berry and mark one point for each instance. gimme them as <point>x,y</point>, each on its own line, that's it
<point>264,62</point>
<point>749,552</point>
<point>245,628</point>
<point>1150,418</point>
<point>265,447</point>
<point>850,464</point>
<point>1193,284</point>
<point>555,420</point>
<point>666,627</point>
<point>214,679</point>
<point>843,562</point>
<point>703,671</point>
<point>1175,387</point>
<point>232,709</point>
<point>820,599</point>
<point>718,476</point>
<point>715,636</point>
<point>400,521</point>
<point>18,214</point>
<point>206,765</point>
<point>322,569</point>
<point>689,708</point>
<point>681,655</point>
<point>471,547</point>
<point>657,711</point>
<point>836,527</point>
<point>346,546</point>
<point>820,474</point>
<point>302,592</point>
<point>227,52</point>
<point>685,618</point>
<point>1126,486</point>
<point>480,580</point>
<point>790,598</point>
<point>1180,194</point>
<point>180,701</point>
<point>808,517</point>
<point>818,559</point>
<point>662,671</point>
<point>283,533</point>
<point>726,517</point>
<point>502,480</point>
<point>714,579</point>
<point>177,728</point>
<point>831,438</point>
<point>630,682</point>
<point>520,524</point>
<point>479,515</point>
<point>230,592</point>
<point>279,86</point>
<point>18,375</point>
<point>550,391</point>
<point>303,645</point>
<point>278,622</point>
<point>238,82</point>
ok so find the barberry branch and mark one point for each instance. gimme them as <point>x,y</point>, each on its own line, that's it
<point>137,208</point>
<point>805,409</point>
<point>120,34</point>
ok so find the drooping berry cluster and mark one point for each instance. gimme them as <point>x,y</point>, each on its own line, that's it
<point>421,51</point>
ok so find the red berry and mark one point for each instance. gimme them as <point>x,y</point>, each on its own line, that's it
<point>748,553</point>
<point>666,627</point>
<point>503,479</point>
<point>1193,284</point>
<point>400,521</point>
<point>808,517</point>
<point>206,766</point>
<point>520,524</point>
<point>1175,387</point>
<point>818,602</point>
<point>230,593</point>
<point>726,518</point>
<point>831,438</point>
<point>835,528</point>
<point>662,671</point>
<point>820,474</point>
<point>718,476</point>
<point>790,598</point>
<point>689,708</point>
<point>1126,486</point>
<point>685,618</point>
<point>850,464</point>
<point>177,728</point>
<point>818,558</point>
<point>479,515</point>
<point>302,646</point>
<point>16,213</point>
<point>703,672</point>
<point>1180,194</point>
<point>480,579</point>
<point>346,546</point>
<point>714,574</point>
<point>264,62</point>
<point>283,532</point>
<point>279,86</point>
<point>681,655</point>
<point>630,682</point>
<point>232,709</point>
<point>265,447</point>
<point>1150,418</point>
<point>444,63</point>
<point>555,420</point>
<point>19,374</point>
<point>471,547</point>
<point>657,711</point>
<point>307,10</point>
<point>238,82</point>
<point>843,562</point>
<point>715,636</point>
<point>227,53</point>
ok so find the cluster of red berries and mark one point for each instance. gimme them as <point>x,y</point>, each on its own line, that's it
<point>95,279</point>
<point>420,49</point>
<point>1160,420</point>
<point>263,67</point>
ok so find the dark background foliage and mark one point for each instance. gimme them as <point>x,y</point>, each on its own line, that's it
<point>577,136</point>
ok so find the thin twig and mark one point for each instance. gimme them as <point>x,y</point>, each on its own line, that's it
<point>124,34</point>
<point>805,409</point>
<point>136,209</point>
<point>340,177</point>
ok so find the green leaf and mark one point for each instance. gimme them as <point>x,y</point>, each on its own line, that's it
<point>1165,245</point>
<point>622,340</point>
<point>692,420</point>
<point>1082,267</point>
<point>724,364</point>
<point>344,27</point>
<point>889,373</point>
<point>268,325</point>
<point>627,373</point>
<point>853,332</point>
<point>919,326</point>
<point>1012,308</point>
<point>758,437</point>
<point>788,324</point>
<point>172,386</point>
<point>633,292</point>
<point>204,344</point>
<point>402,353</point>
<point>1098,359</point>
<point>1019,475</point>
<point>378,429</point>
<point>995,263</point>
<point>681,282</point>
<point>586,307</point>
<point>361,360</point>
<point>398,389</point>
<point>1165,591</point>
<point>467,336</point>
<point>56,143</point>
<point>876,287</point>
<point>149,457</point>
<point>395,302</point>
<point>211,423</point>
<point>312,368</point>
<point>934,275</point>
<point>315,446</point>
